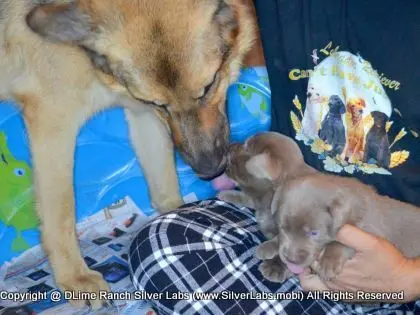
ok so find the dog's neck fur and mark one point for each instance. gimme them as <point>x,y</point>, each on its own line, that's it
<point>260,197</point>
<point>299,170</point>
<point>395,221</point>
<point>391,219</point>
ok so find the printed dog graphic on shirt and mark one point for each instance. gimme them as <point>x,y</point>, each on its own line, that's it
<point>346,117</point>
<point>332,129</point>
<point>315,109</point>
<point>377,143</point>
<point>353,151</point>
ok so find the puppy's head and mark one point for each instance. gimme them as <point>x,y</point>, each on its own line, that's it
<point>380,119</point>
<point>355,107</point>
<point>179,56</point>
<point>308,211</point>
<point>262,160</point>
<point>336,105</point>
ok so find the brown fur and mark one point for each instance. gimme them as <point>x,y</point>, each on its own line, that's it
<point>324,203</point>
<point>355,130</point>
<point>62,62</point>
<point>263,163</point>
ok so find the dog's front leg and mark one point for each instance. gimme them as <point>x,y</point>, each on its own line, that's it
<point>332,260</point>
<point>154,148</point>
<point>268,249</point>
<point>52,136</point>
<point>274,270</point>
<point>236,197</point>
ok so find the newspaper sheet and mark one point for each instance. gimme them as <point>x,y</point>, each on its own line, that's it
<point>104,241</point>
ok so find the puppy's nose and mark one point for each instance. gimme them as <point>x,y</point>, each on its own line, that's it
<point>309,94</point>
<point>302,254</point>
<point>297,257</point>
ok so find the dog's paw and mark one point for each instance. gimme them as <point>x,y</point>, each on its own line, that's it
<point>329,267</point>
<point>274,270</point>
<point>90,281</point>
<point>266,250</point>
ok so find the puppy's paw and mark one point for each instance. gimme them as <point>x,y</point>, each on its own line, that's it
<point>89,281</point>
<point>229,196</point>
<point>329,266</point>
<point>267,250</point>
<point>274,270</point>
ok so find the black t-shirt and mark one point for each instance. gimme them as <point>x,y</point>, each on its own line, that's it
<point>345,83</point>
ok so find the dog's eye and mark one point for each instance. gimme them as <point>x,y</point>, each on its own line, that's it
<point>313,233</point>
<point>100,61</point>
<point>207,88</point>
<point>154,103</point>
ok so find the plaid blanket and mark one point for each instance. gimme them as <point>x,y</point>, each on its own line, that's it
<point>200,260</point>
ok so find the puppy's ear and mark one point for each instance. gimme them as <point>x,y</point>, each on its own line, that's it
<point>339,211</point>
<point>264,167</point>
<point>60,22</point>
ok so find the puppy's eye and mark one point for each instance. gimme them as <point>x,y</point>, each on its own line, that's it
<point>313,233</point>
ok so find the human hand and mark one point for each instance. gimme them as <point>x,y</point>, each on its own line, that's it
<point>377,266</point>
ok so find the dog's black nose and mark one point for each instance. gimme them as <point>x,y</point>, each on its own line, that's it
<point>309,94</point>
<point>211,171</point>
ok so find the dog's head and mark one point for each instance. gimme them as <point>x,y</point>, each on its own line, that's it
<point>262,160</point>
<point>179,56</point>
<point>314,95</point>
<point>379,119</point>
<point>336,105</point>
<point>355,107</point>
<point>309,212</point>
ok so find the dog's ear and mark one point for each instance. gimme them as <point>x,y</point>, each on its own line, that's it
<point>342,108</point>
<point>60,22</point>
<point>339,211</point>
<point>238,32</point>
<point>264,166</point>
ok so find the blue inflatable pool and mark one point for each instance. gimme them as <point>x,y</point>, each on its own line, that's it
<point>106,168</point>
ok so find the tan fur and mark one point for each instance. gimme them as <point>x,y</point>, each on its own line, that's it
<point>148,54</point>
<point>354,148</point>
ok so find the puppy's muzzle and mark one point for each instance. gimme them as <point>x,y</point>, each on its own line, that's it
<point>297,257</point>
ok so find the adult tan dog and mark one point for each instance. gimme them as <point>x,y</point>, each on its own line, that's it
<point>64,61</point>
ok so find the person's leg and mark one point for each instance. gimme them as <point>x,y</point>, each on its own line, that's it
<point>204,247</point>
<point>210,247</point>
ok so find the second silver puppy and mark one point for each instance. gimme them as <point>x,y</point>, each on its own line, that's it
<point>310,210</point>
<point>259,166</point>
